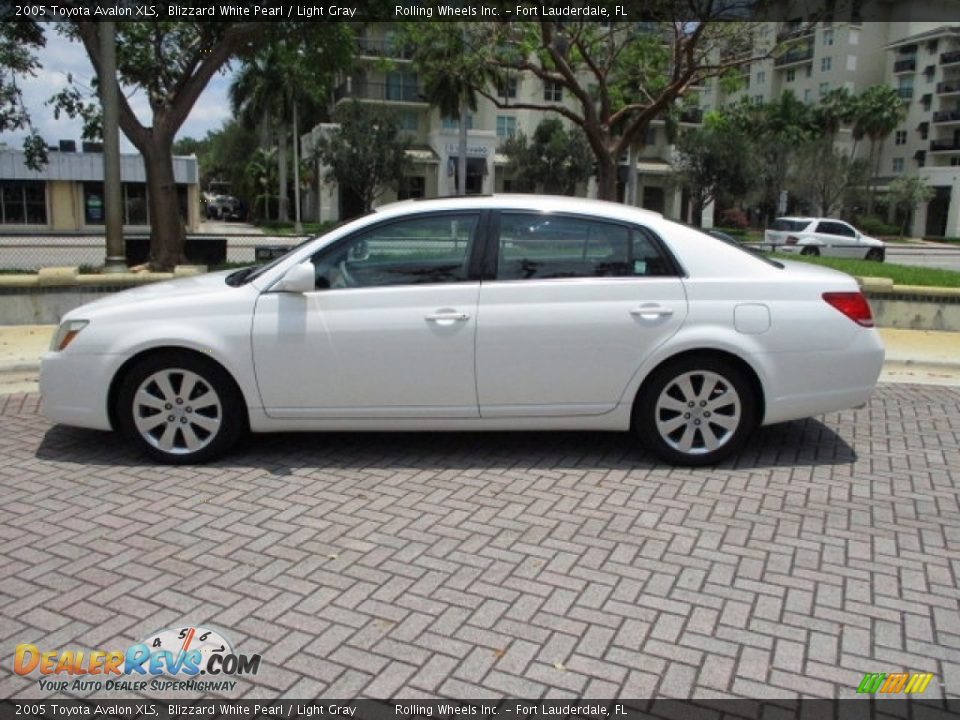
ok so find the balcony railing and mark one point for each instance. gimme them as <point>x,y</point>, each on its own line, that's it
<point>944,145</point>
<point>378,91</point>
<point>946,116</point>
<point>908,65</point>
<point>796,55</point>
<point>792,32</point>
<point>948,87</point>
<point>383,47</point>
<point>950,57</point>
<point>905,93</point>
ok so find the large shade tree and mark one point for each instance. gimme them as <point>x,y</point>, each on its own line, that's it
<point>554,160</point>
<point>19,42</point>
<point>620,76</point>
<point>172,63</point>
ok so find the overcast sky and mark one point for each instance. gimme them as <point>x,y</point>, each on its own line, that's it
<point>61,56</point>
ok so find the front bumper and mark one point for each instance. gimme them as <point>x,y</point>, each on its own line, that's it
<point>74,388</point>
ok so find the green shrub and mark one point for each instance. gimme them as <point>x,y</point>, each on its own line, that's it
<point>875,226</point>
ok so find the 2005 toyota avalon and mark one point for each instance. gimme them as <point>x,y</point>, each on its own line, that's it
<point>479,313</point>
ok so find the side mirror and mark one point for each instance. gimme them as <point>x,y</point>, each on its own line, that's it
<point>298,279</point>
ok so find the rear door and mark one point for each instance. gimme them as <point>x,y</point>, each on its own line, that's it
<point>575,307</point>
<point>840,239</point>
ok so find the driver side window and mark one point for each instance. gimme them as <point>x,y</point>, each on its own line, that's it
<point>426,249</point>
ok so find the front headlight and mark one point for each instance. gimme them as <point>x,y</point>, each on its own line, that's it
<point>66,333</point>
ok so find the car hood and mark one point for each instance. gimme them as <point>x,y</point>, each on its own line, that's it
<point>194,286</point>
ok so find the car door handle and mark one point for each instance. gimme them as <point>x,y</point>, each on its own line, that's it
<point>651,310</point>
<point>440,317</point>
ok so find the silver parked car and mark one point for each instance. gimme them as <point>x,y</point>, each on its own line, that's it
<point>822,236</point>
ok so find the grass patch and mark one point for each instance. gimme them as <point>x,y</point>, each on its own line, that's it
<point>900,274</point>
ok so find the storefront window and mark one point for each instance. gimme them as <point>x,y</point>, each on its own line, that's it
<point>23,203</point>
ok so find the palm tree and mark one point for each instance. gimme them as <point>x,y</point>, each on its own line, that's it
<point>451,75</point>
<point>836,108</point>
<point>267,93</point>
<point>878,111</point>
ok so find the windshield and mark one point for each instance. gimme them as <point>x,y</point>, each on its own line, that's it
<point>733,242</point>
<point>245,275</point>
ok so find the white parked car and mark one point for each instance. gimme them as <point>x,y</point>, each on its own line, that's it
<point>822,236</point>
<point>479,313</point>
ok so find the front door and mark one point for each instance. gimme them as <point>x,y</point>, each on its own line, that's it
<point>576,308</point>
<point>389,331</point>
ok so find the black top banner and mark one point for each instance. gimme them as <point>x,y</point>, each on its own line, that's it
<point>947,11</point>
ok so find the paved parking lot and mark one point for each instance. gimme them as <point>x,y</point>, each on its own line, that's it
<point>473,565</point>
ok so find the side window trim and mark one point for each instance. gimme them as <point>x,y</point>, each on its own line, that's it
<point>491,260</point>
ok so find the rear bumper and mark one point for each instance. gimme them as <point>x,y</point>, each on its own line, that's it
<point>810,384</point>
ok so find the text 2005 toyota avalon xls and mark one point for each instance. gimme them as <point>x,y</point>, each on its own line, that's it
<point>487,313</point>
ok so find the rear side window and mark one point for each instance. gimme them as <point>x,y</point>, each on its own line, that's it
<point>539,247</point>
<point>789,225</point>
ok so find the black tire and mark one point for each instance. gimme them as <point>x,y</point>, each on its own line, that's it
<point>875,255</point>
<point>811,250</point>
<point>652,417</point>
<point>211,428</point>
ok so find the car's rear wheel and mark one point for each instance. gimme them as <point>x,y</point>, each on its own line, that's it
<point>811,250</point>
<point>180,408</point>
<point>875,254</point>
<point>696,411</point>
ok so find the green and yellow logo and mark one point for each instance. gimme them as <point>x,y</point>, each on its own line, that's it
<point>894,683</point>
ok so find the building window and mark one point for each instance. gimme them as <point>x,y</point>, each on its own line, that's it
<point>828,37</point>
<point>898,165</point>
<point>506,126</point>
<point>807,95</point>
<point>135,204</point>
<point>791,75</point>
<point>552,91</point>
<point>135,207</point>
<point>809,70</point>
<point>409,120</point>
<point>412,188</point>
<point>900,137</point>
<point>651,137</point>
<point>824,88</point>
<point>453,123</point>
<point>402,86</point>
<point>23,203</point>
<point>825,64</point>
<point>758,99</point>
<point>507,87</point>
<point>761,77</point>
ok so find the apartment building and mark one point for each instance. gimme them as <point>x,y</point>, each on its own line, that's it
<point>435,139</point>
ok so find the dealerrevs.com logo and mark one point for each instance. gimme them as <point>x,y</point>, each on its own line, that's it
<point>171,659</point>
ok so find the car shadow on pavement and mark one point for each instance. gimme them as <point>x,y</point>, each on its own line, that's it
<point>802,442</point>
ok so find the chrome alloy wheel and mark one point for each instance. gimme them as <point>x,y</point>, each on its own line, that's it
<point>698,412</point>
<point>177,411</point>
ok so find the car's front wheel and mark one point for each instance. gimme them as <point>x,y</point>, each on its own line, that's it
<point>180,408</point>
<point>875,255</point>
<point>696,412</point>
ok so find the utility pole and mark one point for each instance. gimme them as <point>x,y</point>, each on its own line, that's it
<point>297,227</point>
<point>112,191</point>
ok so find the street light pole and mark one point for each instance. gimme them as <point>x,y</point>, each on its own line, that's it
<point>297,227</point>
<point>112,191</point>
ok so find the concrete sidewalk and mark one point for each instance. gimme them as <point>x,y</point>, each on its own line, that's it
<point>913,356</point>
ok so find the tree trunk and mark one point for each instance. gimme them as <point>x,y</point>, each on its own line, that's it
<point>871,185</point>
<point>630,194</point>
<point>607,178</point>
<point>283,214</point>
<point>462,150</point>
<point>167,236</point>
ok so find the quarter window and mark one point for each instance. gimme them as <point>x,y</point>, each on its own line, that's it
<point>426,249</point>
<point>540,247</point>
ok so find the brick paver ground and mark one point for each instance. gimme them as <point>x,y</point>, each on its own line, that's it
<point>484,565</point>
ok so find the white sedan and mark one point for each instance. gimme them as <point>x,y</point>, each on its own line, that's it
<point>479,313</point>
<point>822,236</point>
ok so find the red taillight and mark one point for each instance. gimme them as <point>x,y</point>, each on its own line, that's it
<point>791,240</point>
<point>852,304</point>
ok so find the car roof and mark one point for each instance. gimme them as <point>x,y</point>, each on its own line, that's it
<point>518,201</point>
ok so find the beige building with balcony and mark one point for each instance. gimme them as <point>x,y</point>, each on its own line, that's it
<point>435,139</point>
